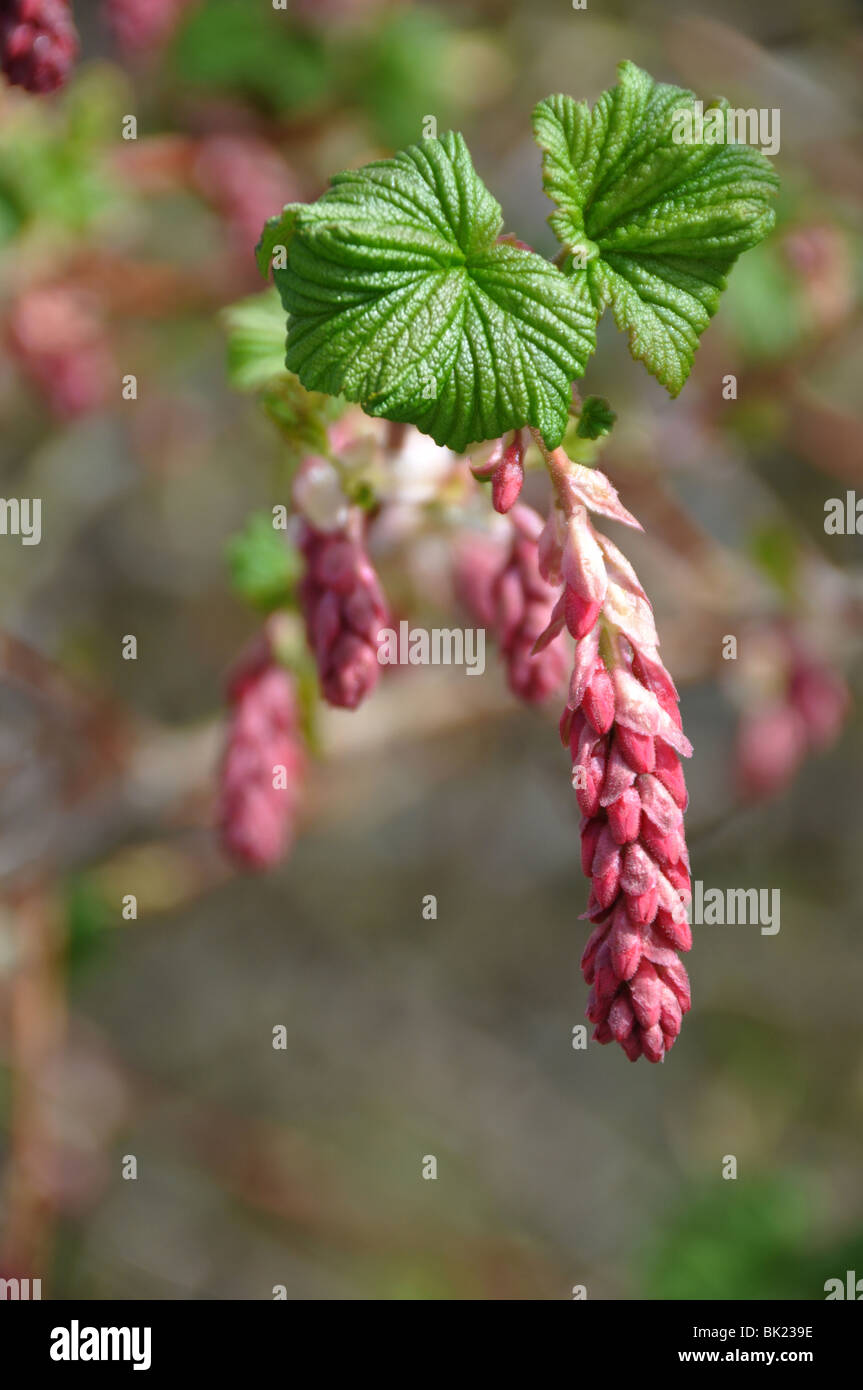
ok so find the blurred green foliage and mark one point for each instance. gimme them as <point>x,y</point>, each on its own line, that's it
<point>391,66</point>
<point>745,1239</point>
<point>255,52</point>
<point>88,920</point>
<point>264,566</point>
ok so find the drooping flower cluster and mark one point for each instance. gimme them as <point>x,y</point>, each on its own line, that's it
<point>341,598</point>
<point>38,43</point>
<point>623,729</point>
<point>797,706</point>
<point>264,762</point>
<point>523,607</point>
<point>58,339</point>
<point>242,176</point>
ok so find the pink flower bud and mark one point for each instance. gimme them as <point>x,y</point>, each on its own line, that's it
<point>621,1018</point>
<point>669,772</point>
<point>483,471</point>
<point>590,833</point>
<point>676,977</point>
<point>637,749</point>
<point>666,849</point>
<point>583,565</point>
<point>645,991</point>
<point>595,940</point>
<point>678,877</point>
<point>598,701</point>
<point>581,613</point>
<point>639,872</point>
<point>508,478</point>
<point>624,816</point>
<point>624,943</point>
<point>642,907</point>
<point>619,776</point>
<point>606,868</point>
<point>679,933</point>
<point>658,804</point>
<point>586,653</point>
<point>588,772</point>
<point>652,1042</point>
<point>593,490</point>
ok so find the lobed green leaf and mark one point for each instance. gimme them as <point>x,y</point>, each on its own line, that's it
<point>657,224</point>
<point>401,297</point>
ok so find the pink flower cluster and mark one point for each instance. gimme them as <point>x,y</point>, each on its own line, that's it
<point>38,43</point>
<point>244,177</point>
<point>803,716</point>
<point>523,606</point>
<point>264,761</point>
<point>623,729</point>
<point>344,610</point>
<point>58,340</point>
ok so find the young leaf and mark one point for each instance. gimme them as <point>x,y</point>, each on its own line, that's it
<point>256,341</point>
<point>400,297</point>
<point>596,418</point>
<point>657,224</point>
<point>264,566</point>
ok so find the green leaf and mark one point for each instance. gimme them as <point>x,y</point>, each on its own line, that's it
<point>655,224</point>
<point>256,341</point>
<point>264,566</point>
<point>400,297</point>
<point>596,418</point>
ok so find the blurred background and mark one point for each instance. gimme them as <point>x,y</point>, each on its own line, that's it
<point>152,1036</point>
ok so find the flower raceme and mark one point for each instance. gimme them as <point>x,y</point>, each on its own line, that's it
<point>498,581</point>
<point>623,729</point>
<point>803,712</point>
<point>341,598</point>
<point>403,295</point>
<point>38,43</point>
<point>523,607</point>
<point>57,337</point>
<point>264,761</point>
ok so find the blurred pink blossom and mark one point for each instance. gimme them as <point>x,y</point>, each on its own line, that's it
<point>264,762</point>
<point>38,42</point>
